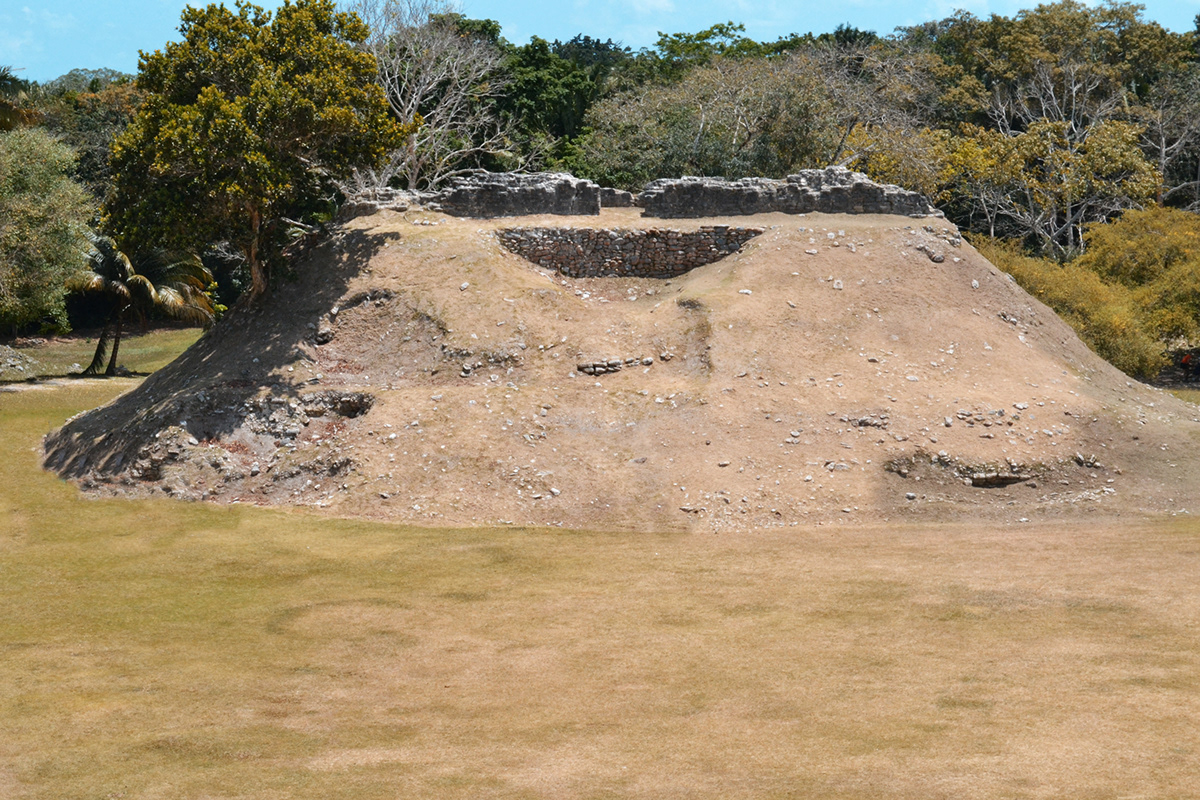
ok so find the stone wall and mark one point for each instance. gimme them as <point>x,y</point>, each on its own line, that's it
<point>366,202</point>
<point>834,190</point>
<point>615,198</point>
<point>513,194</point>
<point>650,253</point>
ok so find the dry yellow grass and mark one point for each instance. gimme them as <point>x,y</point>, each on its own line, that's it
<point>155,649</point>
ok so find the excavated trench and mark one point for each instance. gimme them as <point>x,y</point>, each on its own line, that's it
<point>625,253</point>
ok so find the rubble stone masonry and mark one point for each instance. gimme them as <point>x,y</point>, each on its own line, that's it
<point>648,253</point>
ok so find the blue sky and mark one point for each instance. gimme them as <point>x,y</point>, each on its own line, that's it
<point>46,39</point>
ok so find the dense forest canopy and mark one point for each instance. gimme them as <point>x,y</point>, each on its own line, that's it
<point>1042,129</point>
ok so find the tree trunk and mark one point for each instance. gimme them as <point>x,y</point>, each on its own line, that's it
<point>101,346</point>
<point>258,271</point>
<point>112,360</point>
<point>842,144</point>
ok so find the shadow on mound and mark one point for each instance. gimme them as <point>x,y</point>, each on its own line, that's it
<point>200,392</point>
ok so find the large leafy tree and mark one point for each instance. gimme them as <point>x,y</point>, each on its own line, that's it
<point>732,117</point>
<point>43,219</point>
<point>1045,187</point>
<point>171,285</point>
<point>246,124</point>
<point>1069,62</point>
<point>87,110</point>
<point>547,93</point>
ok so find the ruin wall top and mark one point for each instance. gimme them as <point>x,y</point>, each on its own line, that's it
<point>513,194</point>
<point>833,190</point>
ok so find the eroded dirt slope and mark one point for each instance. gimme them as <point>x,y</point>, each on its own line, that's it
<point>832,371</point>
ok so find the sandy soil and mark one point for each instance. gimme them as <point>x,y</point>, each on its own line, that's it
<point>829,373</point>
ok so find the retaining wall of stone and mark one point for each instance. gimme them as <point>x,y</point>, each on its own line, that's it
<point>648,253</point>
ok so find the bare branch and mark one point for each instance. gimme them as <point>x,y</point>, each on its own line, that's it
<point>448,82</point>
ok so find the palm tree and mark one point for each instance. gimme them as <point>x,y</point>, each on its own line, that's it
<point>12,94</point>
<point>169,284</point>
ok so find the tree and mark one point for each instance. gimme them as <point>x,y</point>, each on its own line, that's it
<point>680,52</point>
<point>592,54</point>
<point>88,110</point>
<point>733,117</point>
<point>43,219</point>
<point>13,91</point>
<point>1061,62</point>
<point>441,74</point>
<point>880,86</point>
<point>247,123</point>
<point>545,93</point>
<point>1046,186</point>
<point>159,282</point>
<point>1170,119</point>
<point>981,171</point>
<point>915,158</point>
<point>80,81</point>
<point>1155,254</point>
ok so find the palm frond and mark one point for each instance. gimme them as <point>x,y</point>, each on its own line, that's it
<point>175,269</point>
<point>173,283</point>
<point>186,304</point>
<point>107,259</point>
<point>142,290</point>
<point>87,282</point>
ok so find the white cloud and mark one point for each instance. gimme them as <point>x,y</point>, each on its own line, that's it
<point>57,22</point>
<point>652,6</point>
<point>13,41</point>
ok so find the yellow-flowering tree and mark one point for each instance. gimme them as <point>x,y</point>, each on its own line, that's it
<point>1155,254</point>
<point>1045,184</point>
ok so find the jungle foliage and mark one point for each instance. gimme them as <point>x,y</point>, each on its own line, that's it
<point>244,126</point>
<point>43,225</point>
<point>1068,131</point>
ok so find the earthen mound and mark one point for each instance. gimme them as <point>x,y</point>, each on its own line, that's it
<point>834,369</point>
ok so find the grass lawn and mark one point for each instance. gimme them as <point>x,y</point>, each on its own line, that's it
<point>1191,395</point>
<point>141,353</point>
<point>156,649</point>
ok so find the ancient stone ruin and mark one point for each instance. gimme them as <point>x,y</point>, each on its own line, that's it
<point>512,194</point>
<point>833,190</point>
<point>616,198</point>
<point>365,202</point>
<point>649,253</point>
<point>480,194</point>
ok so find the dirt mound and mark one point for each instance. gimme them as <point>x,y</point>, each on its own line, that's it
<point>838,368</point>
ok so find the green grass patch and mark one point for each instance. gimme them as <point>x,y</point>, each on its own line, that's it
<point>140,353</point>
<point>1190,395</point>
